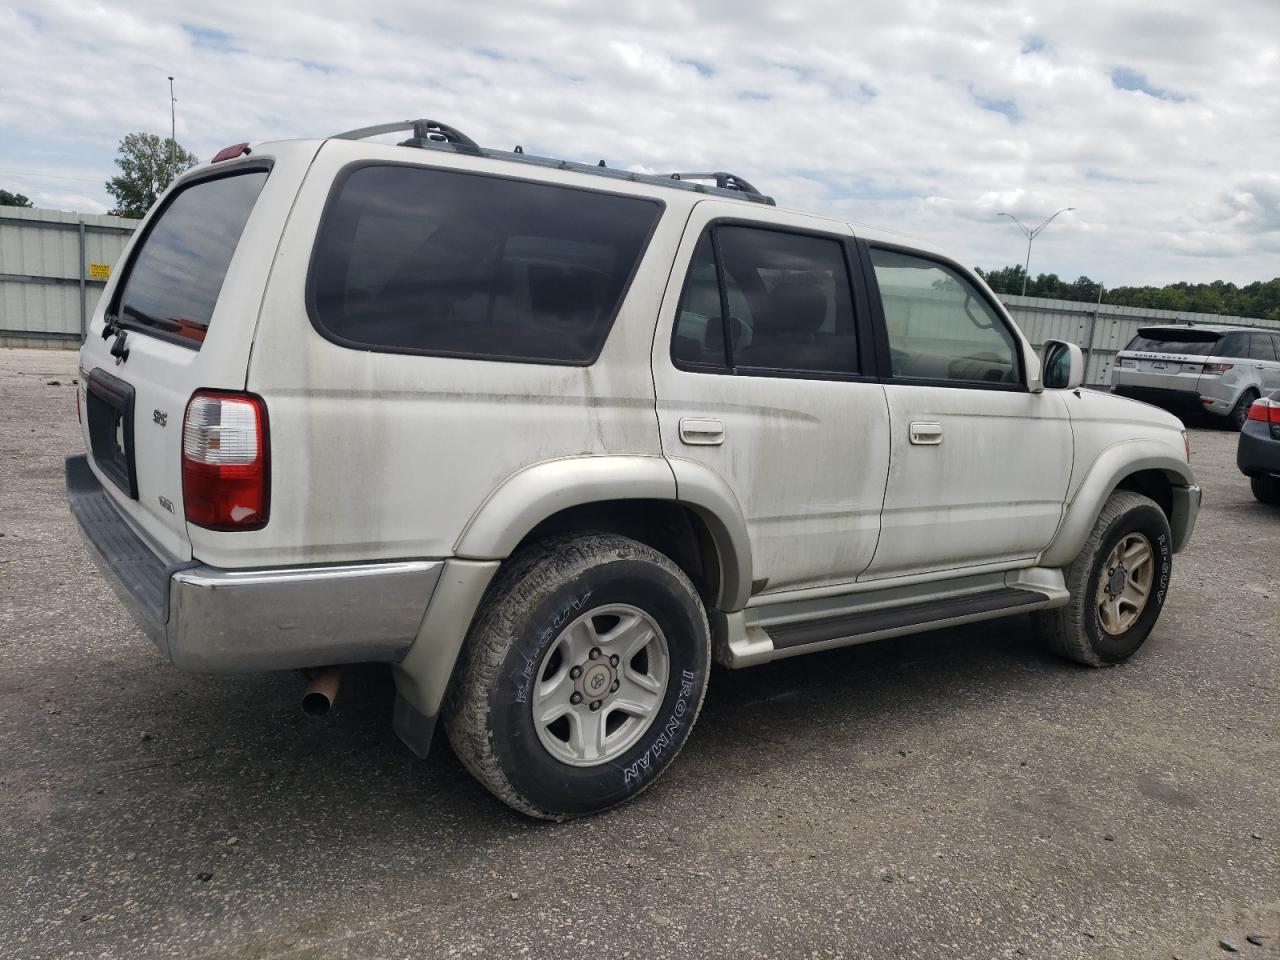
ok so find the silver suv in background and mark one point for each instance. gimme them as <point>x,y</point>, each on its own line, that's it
<point>1216,369</point>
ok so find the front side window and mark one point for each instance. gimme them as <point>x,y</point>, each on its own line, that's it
<point>177,273</point>
<point>940,327</point>
<point>787,304</point>
<point>416,260</point>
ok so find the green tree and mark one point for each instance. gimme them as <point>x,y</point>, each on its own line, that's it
<point>147,165</point>
<point>1258,299</point>
<point>8,199</point>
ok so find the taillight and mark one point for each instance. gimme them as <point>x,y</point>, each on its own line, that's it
<point>225,470</point>
<point>1128,364</point>
<point>1268,411</point>
<point>1217,367</point>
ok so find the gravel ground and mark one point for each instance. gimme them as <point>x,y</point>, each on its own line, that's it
<point>956,794</point>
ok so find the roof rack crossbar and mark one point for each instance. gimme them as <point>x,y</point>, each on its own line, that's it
<point>423,131</point>
<point>725,181</point>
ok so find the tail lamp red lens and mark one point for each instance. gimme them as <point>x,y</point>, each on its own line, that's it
<point>225,466</point>
<point>1217,367</point>
<point>1268,411</point>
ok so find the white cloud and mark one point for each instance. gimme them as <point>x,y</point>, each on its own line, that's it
<point>922,116</point>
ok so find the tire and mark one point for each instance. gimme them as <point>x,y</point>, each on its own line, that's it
<point>1266,489</point>
<point>1239,414</point>
<point>1082,630</point>
<point>552,608</point>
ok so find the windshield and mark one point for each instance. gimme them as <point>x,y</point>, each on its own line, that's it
<point>176,275</point>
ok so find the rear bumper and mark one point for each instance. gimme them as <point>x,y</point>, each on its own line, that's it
<point>1185,402</point>
<point>209,620</point>
<point>1259,452</point>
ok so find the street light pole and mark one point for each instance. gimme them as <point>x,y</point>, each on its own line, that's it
<point>1031,234</point>
<point>173,125</point>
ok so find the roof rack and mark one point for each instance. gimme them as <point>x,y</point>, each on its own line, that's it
<point>433,135</point>
<point>724,181</point>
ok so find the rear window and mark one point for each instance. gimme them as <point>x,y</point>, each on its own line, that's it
<point>177,273</point>
<point>415,260</point>
<point>1183,342</point>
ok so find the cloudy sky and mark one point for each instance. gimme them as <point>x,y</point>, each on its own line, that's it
<point>1159,120</point>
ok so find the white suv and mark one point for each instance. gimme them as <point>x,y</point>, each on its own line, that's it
<point>1211,368</point>
<point>549,438</point>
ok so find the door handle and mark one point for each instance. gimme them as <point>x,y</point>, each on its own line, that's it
<point>926,434</point>
<point>701,433</point>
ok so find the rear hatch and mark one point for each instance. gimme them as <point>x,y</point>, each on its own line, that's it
<point>178,316</point>
<point>1168,357</point>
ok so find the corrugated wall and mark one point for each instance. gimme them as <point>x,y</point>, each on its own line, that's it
<point>44,254</point>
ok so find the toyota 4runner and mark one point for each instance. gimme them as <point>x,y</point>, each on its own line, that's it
<point>549,438</point>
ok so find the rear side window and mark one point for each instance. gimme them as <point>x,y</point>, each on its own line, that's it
<point>787,304</point>
<point>415,260</point>
<point>1185,342</point>
<point>1261,347</point>
<point>177,272</point>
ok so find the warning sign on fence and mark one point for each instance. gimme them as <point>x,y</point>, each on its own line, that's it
<point>99,271</point>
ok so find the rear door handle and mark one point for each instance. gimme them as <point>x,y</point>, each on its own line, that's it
<point>925,433</point>
<point>701,433</point>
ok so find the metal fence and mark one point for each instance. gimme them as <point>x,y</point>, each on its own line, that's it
<point>53,266</point>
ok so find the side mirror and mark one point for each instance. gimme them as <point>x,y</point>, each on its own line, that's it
<point>1061,365</point>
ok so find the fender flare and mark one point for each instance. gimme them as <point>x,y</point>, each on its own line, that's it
<point>1105,473</point>
<point>533,494</point>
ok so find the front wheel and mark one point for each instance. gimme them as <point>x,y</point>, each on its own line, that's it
<point>1118,585</point>
<point>582,675</point>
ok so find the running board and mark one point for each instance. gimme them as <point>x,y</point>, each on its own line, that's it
<point>775,630</point>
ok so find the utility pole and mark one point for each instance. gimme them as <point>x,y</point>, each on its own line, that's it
<point>1030,235</point>
<point>173,126</point>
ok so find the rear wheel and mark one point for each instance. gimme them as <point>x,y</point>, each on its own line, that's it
<point>1266,489</point>
<point>1117,584</point>
<point>582,675</point>
<point>1239,414</point>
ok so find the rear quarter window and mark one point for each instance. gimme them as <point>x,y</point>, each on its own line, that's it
<point>176,274</point>
<point>419,260</point>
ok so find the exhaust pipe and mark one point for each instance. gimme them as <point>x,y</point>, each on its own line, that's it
<point>321,692</point>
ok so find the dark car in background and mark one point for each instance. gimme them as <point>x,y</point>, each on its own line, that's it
<point>1258,454</point>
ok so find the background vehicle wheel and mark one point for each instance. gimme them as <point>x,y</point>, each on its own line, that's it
<point>581,677</point>
<point>1266,489</point>
<point>1239,414</point>
<point>1118,585</point>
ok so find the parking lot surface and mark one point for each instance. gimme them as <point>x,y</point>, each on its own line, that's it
<point>955,794</point>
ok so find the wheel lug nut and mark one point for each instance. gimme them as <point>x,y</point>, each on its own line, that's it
<point>595,653</point>
<point>575,698</point>
<point>613,660</point>
<point>595,704</point>
<point>614,688</point>
<point>575,673</point>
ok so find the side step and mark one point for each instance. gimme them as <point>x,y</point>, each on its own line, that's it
<point>854,625</point>
<point>787,627</point>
